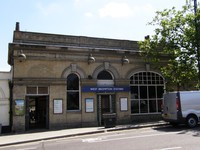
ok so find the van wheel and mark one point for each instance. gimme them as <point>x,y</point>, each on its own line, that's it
<point>191,121</point>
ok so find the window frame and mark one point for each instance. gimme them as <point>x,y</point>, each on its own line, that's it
<point>148,79</point>
<point>105,81</point>
<point>73,91</point>
<point>37,90</point>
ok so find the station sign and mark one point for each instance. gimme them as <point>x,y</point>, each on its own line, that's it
<point>105,89</point>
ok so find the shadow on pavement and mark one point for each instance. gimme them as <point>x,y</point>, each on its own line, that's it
<point>181,129</point>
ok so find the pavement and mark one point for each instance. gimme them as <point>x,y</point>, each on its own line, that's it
<point>20,138</point>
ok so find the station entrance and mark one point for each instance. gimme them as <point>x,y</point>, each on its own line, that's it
<point>106,104</point>
<point>37,112</point>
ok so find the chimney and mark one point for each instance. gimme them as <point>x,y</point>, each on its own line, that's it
<point>17,26</point>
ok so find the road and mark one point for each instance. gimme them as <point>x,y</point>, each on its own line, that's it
<point>158,138</point>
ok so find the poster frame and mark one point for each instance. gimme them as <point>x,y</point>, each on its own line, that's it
<point>123,104</point>
<point>58,106</point>
<point>89,105</point>
<point>19,107</point>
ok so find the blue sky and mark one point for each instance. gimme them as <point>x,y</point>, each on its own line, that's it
<point>116,19</point>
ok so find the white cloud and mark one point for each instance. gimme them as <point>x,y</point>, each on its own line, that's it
<point>89,14</point>
<point>122,10</point>
<point>81,2</point>
<point>115,10</point>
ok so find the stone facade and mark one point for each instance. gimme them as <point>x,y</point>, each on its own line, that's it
<point>42,60</point>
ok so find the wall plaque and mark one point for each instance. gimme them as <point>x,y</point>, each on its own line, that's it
<point>57,106</point>
<point>89,105</point>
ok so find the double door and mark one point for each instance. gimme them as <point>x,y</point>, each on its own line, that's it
<point>37,112</point>
<point>106,104</point>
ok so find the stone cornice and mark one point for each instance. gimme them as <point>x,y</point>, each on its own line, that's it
<point>78,41</point>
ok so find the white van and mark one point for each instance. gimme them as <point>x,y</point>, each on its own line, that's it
<point>182,107</point>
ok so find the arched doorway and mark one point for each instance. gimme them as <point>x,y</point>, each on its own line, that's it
<point>106,101</point>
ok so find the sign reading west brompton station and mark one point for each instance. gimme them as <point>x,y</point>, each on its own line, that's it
<point>105,89</point>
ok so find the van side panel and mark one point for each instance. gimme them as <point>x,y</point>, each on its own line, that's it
<point>190,103</point>
<point>169,107</point>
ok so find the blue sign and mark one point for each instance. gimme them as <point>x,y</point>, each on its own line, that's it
<point>105,89</point>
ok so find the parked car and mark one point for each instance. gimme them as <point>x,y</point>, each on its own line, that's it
<point>182,107</point>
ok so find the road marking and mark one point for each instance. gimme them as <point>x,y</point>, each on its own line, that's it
<point>30,148</point>
<point>113,135</point>
<point>169,148</point>
<point>100,138</point>
<point>93,140</point>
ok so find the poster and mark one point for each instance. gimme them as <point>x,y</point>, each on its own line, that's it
<point>57,106</point>
<point>19,107</point>
<point>89,104</point>
<point>124,104</point>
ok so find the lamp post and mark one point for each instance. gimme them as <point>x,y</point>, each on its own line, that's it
<point>197,40</point>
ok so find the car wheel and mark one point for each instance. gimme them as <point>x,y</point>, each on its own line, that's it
<point>191,121</point>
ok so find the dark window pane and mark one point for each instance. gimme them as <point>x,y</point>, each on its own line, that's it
<point>134,92</point>
<point>134,106</point>
<point>160,91</point>
<point>143,92</point>
<point>143,106</point>
<point>72,82</point>
<point>152,91</point>
<point>42,90</point>
<point>31,90</point>
<point>72,100</point>
<point>104,75</point>
<point>152,106</point>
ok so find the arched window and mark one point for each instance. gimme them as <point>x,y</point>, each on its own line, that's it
<point>73,100</point>
<point>104,75</point>
<point>146,92</point>
<point>104,78</point>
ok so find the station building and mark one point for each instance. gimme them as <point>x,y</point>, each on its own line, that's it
<point>62,81</point>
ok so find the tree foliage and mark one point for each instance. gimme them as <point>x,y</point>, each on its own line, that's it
<point>175,38</point>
